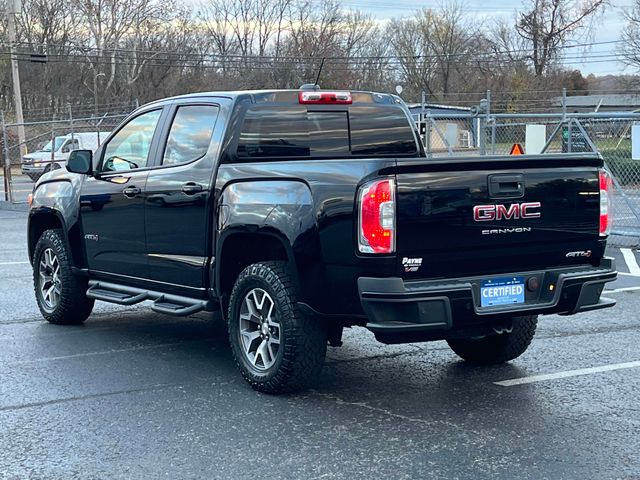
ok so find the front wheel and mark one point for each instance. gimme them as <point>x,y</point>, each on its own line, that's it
<point>275,346</point>
<point>60,294</point>
<point>51,167</point>
<point>497,348</point>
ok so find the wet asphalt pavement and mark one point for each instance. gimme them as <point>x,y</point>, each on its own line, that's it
<point>134,394</point>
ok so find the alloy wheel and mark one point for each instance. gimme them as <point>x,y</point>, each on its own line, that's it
<point>50,285</point>
<point>259,329</point>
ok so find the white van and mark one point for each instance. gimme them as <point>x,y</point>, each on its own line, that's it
<point>37,163</point>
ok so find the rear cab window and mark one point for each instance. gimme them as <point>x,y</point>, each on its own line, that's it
<point>272,131</point>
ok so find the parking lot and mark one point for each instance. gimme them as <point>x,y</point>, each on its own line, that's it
<point>22,187</point>
<point>134,394</point>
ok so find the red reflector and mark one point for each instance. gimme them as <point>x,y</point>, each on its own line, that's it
<point>328,98</point>
<point>606,192</point>
<point>377,217</point>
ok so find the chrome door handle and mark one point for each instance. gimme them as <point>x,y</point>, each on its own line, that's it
<point>131,192</point>
<point>191,188</point>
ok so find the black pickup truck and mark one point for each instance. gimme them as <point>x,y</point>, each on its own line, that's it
<point>297,213</point>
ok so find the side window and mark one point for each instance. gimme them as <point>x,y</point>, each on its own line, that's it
<point>129,148</point>
<point>190,134</point>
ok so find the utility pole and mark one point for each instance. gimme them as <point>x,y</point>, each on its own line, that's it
<point>95,92</point>
<point>14,7</point>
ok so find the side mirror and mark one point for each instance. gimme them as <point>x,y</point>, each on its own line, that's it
<point>80,161</point>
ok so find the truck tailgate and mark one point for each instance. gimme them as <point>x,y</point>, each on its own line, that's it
<point>463,217</point>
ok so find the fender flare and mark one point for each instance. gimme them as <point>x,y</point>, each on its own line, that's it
<point>35,215</point>
<point>279,208</point>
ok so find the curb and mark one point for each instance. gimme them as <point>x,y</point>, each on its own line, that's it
<point>13,207</point>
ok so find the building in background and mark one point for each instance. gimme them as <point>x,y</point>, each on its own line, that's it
<point>454,124</point>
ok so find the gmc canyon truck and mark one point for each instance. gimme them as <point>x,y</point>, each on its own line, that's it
<point>297,213</point>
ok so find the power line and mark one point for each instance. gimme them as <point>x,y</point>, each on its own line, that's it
<point>336,60</point>
<point>271,62</point>
<point>230,57</point>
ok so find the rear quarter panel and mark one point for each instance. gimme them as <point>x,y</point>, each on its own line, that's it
<point>312,204</point>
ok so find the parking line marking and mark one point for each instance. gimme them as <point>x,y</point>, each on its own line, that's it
<point>624,289</point>
<point>13,263</point>
<point>630,260</point>
<point>102,352</point>
<point>567,374</point>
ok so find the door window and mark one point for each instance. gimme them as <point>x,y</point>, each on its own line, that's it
<point>129,148</point>
<point>70,146</point>
<point>190,134</point>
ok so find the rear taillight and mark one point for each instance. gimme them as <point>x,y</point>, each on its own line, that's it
<point>606,192</point>
<point>331,98</point>
<point>377,217</point>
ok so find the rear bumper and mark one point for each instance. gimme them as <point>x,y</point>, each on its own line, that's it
<point>436,309</point>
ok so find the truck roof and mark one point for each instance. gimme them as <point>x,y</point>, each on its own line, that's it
<point>84,134</point>
<point>287,95</point>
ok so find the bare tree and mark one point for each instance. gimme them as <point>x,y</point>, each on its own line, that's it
<point>124,49</point>
<point>437,50</point>
<point>107,23</point>
<point>241,29</point>
<point>415,61</point>
<point>547,26</point>
<point>326,32</point>
<point>631,36</point>
<point>46,27</point>
<point>452,38</point>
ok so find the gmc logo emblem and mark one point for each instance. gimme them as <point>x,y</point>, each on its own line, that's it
<point>515,211</point>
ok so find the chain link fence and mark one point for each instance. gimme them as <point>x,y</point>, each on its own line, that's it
<point>609,134</point>
<point>47,144</point>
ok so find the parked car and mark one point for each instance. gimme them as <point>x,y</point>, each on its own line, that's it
<point>56,152</point>
<point>300,213</point>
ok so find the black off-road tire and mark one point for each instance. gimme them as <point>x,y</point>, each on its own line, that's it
<point>500,348</point>
<point>303,340</point>
<point>73,307</point>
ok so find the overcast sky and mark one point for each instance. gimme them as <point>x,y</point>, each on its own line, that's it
<point>609,27</point>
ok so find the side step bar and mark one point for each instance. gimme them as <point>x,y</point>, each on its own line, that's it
<point>162,302</point>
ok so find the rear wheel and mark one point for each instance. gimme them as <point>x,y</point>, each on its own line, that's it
<point>61,295</point>
<point>498,348</point>
<point>276,348</point>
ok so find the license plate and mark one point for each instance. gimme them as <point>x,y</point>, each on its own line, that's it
<point>502,291</point>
